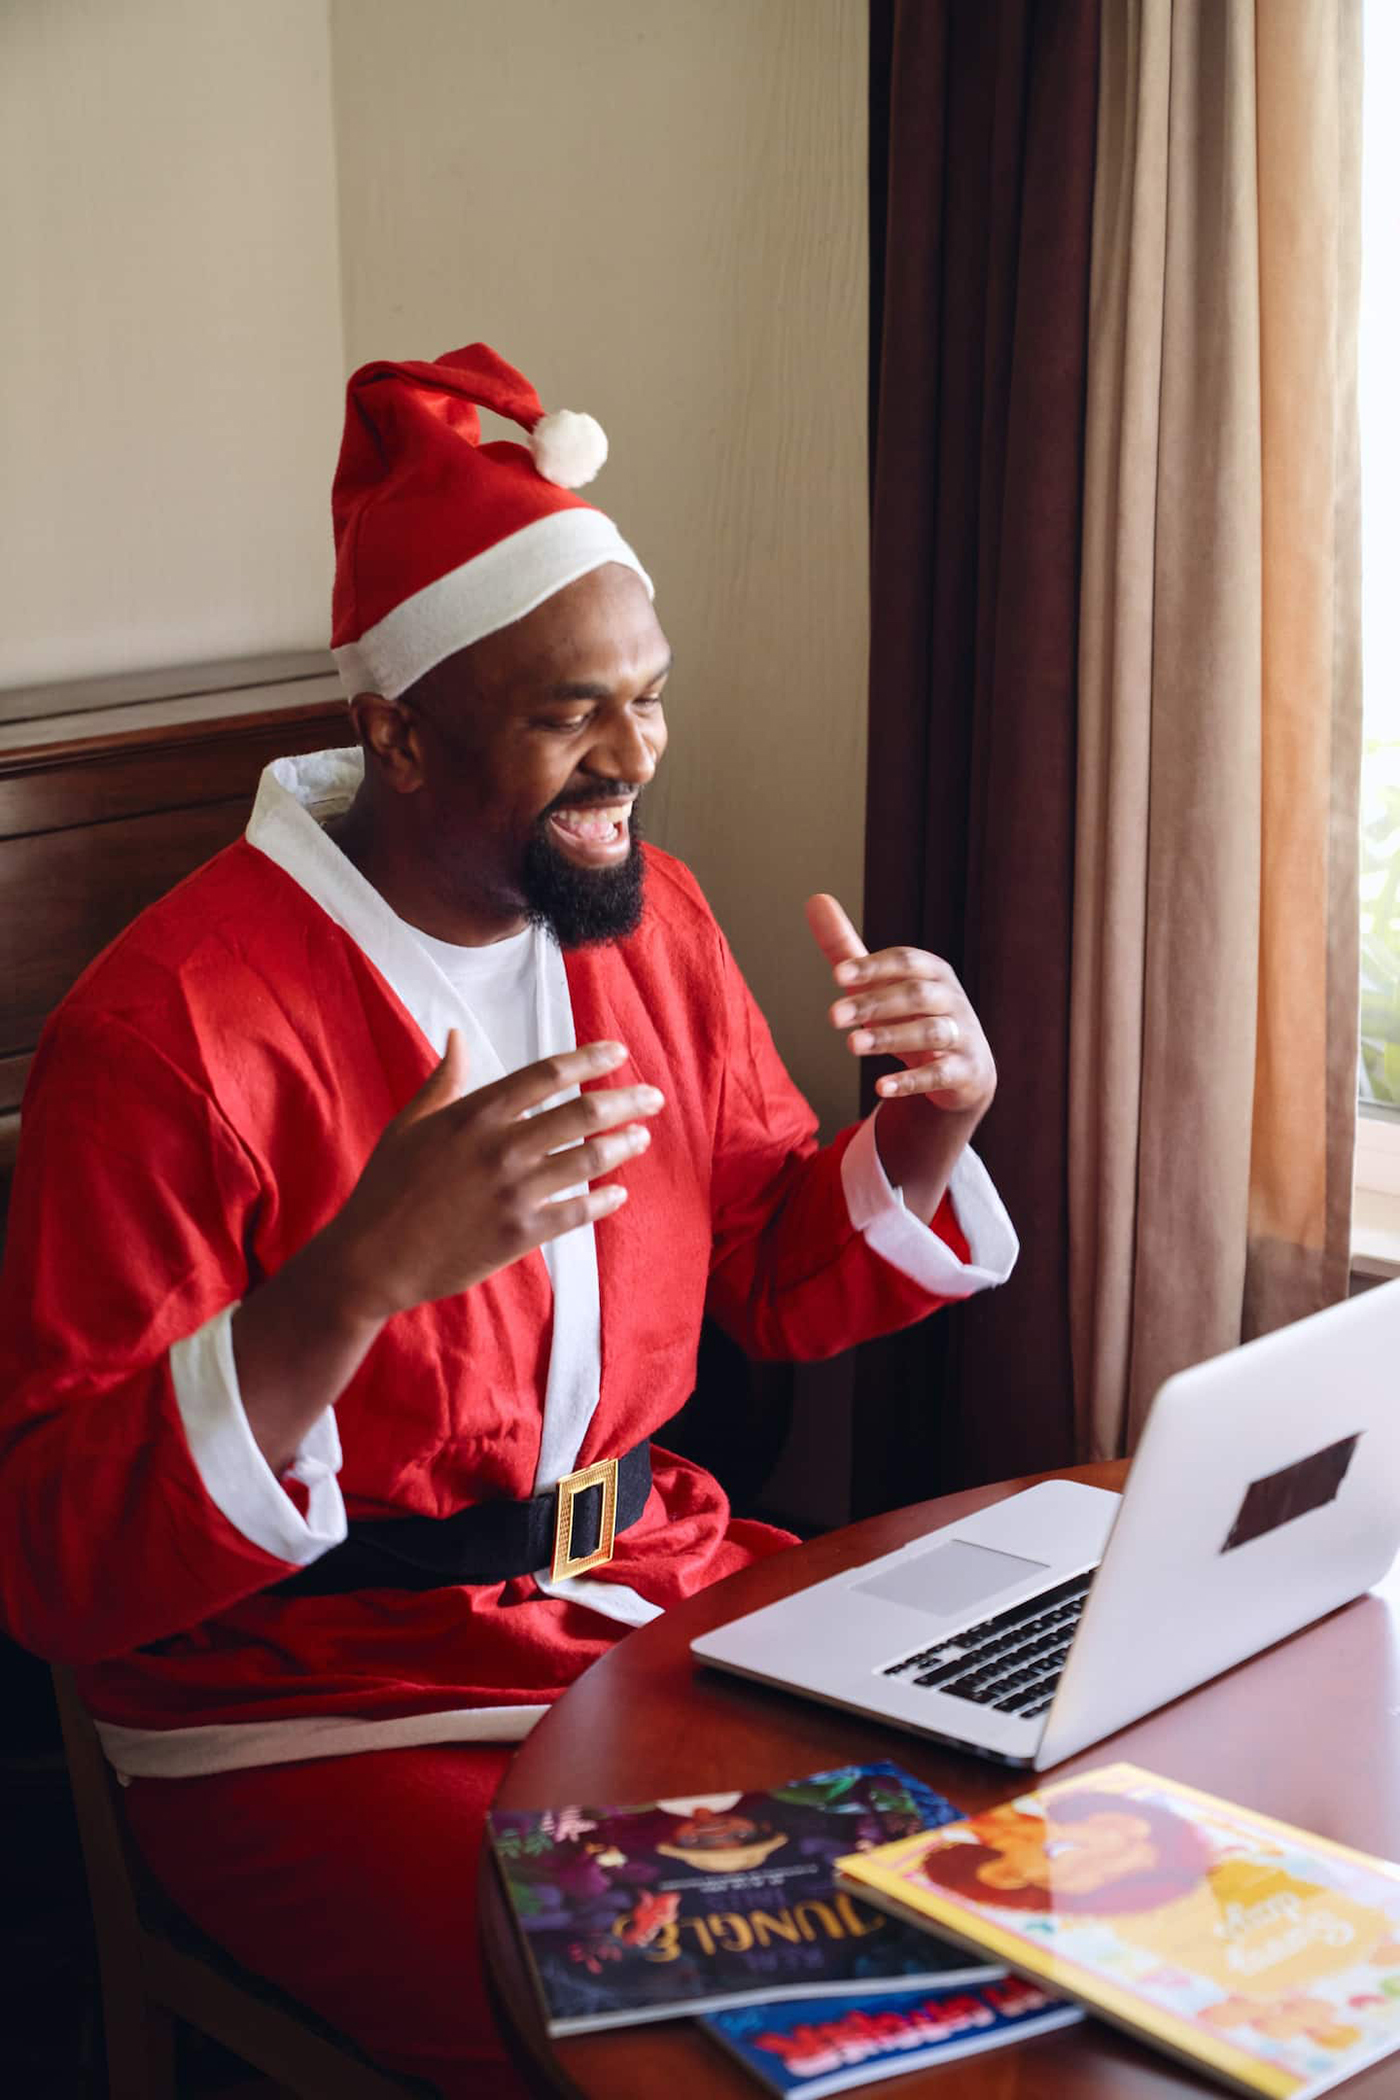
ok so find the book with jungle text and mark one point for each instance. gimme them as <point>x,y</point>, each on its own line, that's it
<point>683,1906</point>
<point>1256,1952</point>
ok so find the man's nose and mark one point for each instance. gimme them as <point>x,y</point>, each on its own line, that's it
<point>626,752</point>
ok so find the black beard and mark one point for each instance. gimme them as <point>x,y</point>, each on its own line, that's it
<point>577,905</point>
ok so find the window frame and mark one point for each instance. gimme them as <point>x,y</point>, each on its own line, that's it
<point>1375,1230</point>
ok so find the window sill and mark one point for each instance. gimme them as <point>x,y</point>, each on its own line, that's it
<point>1375,1233</point>
<point>1375,1220</point>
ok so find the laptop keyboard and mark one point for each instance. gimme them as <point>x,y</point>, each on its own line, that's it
<point>1009,1663</point>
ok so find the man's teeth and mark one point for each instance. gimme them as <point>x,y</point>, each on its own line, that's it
<point>596,825</point>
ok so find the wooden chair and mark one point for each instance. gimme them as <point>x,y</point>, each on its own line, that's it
<point>157,1968</point>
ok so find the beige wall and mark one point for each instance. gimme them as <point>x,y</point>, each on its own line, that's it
<point>172,349</point>
<point>657,209</point>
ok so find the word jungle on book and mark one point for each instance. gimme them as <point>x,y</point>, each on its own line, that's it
<point>683,1906</point>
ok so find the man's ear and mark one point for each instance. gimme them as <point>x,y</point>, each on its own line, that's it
<point>389,741</point>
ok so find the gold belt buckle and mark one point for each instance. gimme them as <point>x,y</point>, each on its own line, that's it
<point>602,1475</point>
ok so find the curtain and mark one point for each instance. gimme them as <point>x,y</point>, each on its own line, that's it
<point>982,143</point>
<point>1213,1034</point>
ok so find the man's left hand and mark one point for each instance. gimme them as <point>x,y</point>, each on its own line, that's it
<point>906,1003</point>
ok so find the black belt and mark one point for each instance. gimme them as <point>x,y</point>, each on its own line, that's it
<point>569,1529</point>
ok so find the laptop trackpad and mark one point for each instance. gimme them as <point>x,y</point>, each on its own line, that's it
<point>951,1577</point>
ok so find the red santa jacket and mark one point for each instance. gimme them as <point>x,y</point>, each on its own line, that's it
<point>200,1106</point>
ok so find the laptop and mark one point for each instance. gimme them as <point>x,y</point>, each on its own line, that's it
<point>1264,1493</point>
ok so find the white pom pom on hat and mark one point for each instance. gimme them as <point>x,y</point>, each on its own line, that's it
<point>568,448</point>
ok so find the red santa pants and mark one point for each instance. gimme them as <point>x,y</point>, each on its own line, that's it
<point>351,1883</point>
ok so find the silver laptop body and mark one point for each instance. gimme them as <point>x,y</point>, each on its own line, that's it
<point>1264,1493</point>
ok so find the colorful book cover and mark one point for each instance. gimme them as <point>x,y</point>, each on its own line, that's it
<point>1253,1950</point>
<point>827,2045</point>
<point>679,1907</point>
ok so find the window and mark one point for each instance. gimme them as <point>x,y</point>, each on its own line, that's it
<point>1376,1233</point>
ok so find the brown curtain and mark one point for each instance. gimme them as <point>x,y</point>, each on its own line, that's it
<point>983,140</point>
<point>1214,1033</point>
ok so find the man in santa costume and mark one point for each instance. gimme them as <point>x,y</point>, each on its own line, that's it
<point>373,1187</point>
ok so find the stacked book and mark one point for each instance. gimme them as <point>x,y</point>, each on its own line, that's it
<point>852,1925</point>
<point>728,1908</point>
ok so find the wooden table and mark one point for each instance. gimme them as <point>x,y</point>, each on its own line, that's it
<point>1309,1732</point>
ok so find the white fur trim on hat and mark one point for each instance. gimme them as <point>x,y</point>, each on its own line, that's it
<point>484,594</point>
<point>568,448</point>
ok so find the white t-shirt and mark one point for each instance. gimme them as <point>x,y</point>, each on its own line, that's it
<point>498,982</point>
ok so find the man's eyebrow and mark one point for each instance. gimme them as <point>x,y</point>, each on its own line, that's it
<point>589,689</point>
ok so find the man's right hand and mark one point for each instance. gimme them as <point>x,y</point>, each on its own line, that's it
<point>461,1184</point>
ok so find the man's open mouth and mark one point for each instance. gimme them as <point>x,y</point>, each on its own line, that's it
<point>583,867</point>
<point>593,831</point>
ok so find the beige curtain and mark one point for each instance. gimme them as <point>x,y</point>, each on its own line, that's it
<point>1213,1010</point>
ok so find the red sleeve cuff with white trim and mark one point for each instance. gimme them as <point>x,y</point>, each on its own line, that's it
<point>236,1476</point>
<point>878,1211</point>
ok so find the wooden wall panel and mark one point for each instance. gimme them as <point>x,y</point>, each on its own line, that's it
<point>95,827</point>
<point>81,888</point>
<point>99,779</point>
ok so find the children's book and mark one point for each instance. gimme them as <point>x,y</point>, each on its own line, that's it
<point>683,1906</point>
<point>808,2046</point>
<point>1254,1951</point>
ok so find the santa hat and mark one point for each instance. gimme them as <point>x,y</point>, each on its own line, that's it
<point>440,539</point>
